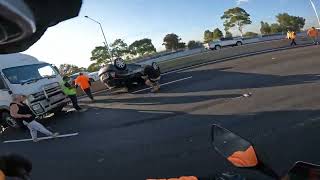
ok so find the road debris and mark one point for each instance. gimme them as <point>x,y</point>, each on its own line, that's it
<point>247,94</point>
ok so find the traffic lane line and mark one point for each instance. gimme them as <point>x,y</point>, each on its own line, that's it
<point>41,138</point>
<point>157,112</point>
<point>164,84</point>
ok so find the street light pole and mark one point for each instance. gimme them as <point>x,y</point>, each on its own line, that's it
<point>315,11</point>
<point>104,37</point>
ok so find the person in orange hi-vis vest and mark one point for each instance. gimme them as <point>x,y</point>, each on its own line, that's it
<point>292,36</point>
<point>84,83</point>
<point>313,34</point>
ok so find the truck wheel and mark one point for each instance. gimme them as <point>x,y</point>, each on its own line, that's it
<point>217,47</point>
<point>239,43</point>
<point>10,121</point>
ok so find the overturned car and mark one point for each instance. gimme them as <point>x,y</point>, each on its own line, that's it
<point>121,75</point>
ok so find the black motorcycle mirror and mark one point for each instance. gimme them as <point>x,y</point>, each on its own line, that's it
<point>238,151</point>
<point>16,21</point>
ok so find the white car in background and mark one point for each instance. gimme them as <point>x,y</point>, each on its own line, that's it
<point>94,76</point>
<point>223,42</point>
<point>74,76</point>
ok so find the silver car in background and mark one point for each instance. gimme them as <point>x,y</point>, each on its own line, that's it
<point>223,42</point>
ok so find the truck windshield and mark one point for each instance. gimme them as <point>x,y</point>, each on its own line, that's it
<point>29,73</point>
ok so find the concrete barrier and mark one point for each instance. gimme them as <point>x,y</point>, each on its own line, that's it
<point>207,56</point>
<point>96,86</point>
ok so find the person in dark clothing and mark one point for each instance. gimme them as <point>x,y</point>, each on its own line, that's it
<point>71,92</point>
<point>152,77</point>
<point>14,165</point>
<point>21,111</point>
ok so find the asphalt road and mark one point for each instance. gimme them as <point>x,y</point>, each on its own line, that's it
<point>142,135</point>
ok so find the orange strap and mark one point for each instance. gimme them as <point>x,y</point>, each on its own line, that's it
<point>2,176</point>
<point>245,158</point>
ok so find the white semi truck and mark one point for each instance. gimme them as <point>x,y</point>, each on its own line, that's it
<point>40,81</point>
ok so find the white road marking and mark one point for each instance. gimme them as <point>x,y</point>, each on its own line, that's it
<point>178,80</point>
<point>157,112</point>
<point>41,138</point>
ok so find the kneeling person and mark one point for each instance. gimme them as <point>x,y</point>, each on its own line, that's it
<point>152,77</point>
<point>71,92</point>
<point>21,111</point>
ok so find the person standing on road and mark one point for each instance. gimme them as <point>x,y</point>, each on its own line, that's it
<point>71,92</point>
<point>313,34</point>
<point>292,36</point>
<point>21,111</point>
<point>152,77</point>
<point>84,82</point>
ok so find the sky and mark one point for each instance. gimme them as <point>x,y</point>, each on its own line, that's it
<point>72,41</point>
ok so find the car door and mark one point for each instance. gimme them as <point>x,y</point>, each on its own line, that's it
<point>229,42</point>
<point>222,42</point>
<point>5,94</point>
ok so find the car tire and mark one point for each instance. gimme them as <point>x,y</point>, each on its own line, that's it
<point>91,79</point>
<point>217,47</point>
<point>10,121</point>
<point>120,64</point>
<point>155,66</point>
<point>239,43</point>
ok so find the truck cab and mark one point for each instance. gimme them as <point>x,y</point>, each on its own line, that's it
<point>39,81</point>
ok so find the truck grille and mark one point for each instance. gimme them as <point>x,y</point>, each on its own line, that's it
<point>47,92</point>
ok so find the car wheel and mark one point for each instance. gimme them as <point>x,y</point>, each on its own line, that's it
<point>218,47</point>
<point>10,121</point>
<point>120,64</point>
<point>239,43</point>
<point>91,80</point>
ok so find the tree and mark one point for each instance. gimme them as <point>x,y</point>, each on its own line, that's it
<point>293,23</point>
<point>250,34</point>
<point>194,44</point>
<point>275,28</point>
<point>68,69</point>
<point>228,34</point>
<point>181,45</point>
<point>208,36</point>
<point>265,28</point>
<point>142,47</point>
<point>236,17</point>
<point>217,34</point>
<point>172,42</point>
<point>100,55</point>
<point>119,48</point>
<point>93,67</point>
